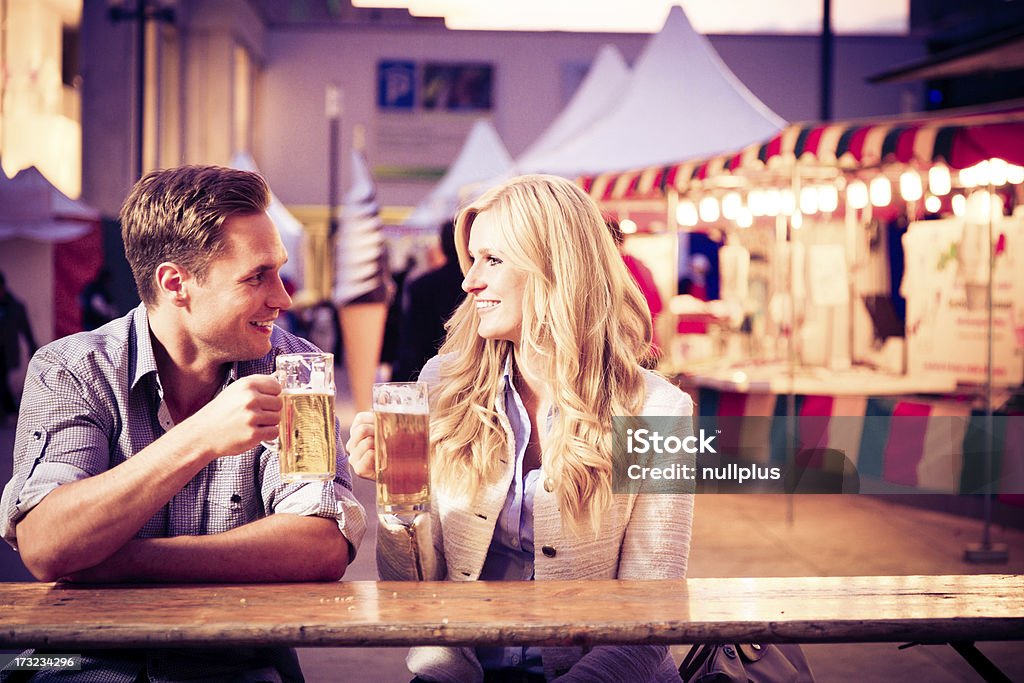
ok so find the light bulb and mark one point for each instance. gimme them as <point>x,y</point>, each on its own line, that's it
<point>968,177</point>
<point>959,203</point>
<point>788,202</point>
<point>686,213</point>
<point>932,204</point>
<point>982,173</point>
<point>796,220</point>
<point>744,218</point>
<point>939,181</point>
<point>758,202</point>
<point>910,186</point>
<point>828,198</point>
<point>732,202</point>
<point>808,200</point>
<point>880,191</point>
<point>709,212</point>
<point>998,171</point>
<point>628,226</point>
<point>857,194</point>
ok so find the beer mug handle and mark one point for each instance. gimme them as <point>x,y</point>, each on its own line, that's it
<point>274,445</point>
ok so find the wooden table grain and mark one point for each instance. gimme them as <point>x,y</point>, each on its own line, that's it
<point>928,609</point>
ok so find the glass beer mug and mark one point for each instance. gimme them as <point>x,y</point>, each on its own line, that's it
<point>306,443</point>
<point>402,421</point>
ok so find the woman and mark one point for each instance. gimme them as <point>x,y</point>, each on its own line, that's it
<point>549,344</point>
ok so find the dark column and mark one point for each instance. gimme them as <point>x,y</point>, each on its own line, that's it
<point>827,51</point>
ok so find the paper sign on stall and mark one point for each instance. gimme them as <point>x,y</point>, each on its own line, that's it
<point>945,284</point>
<point>827,274</point>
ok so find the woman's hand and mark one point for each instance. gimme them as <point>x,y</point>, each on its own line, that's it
<point>361,446</point>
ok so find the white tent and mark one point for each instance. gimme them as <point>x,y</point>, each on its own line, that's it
<point>682,102</point>
<point>483,156</point>
<point>599,93</point>
<point>32,208</point>
<point>42,251</point>
<point>293,235</point>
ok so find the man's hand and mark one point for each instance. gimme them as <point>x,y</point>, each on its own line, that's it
<point>244,414</point>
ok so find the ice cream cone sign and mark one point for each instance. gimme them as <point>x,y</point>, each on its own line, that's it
<point>361,280</point>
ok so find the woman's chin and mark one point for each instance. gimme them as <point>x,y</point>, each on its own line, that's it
<point>491,335</point>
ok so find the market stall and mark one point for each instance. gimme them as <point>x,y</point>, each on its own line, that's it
<point>50,247</point>
<point>861,261</point>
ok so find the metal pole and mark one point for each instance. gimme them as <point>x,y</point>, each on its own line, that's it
<point>792,425</point>
<point>671,220</point>
<point>986,551</point>
<point>143,11</point>
<point>3,56</point>
<point>850,218</point>
<point>826,60</point>
<point>333,110</point>
<point>140,84</point>
<point>986,537</point>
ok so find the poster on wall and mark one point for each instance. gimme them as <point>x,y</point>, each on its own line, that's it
<point>945,284</point>
<point>447,98</point>
<point>457,87</point>
<point>405,85</point>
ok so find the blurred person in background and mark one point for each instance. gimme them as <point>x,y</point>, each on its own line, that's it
<point>14,325</point>
<point>641,275</point>
<point>696,282</point>
<point>428,303</point>
<point>97,302</point>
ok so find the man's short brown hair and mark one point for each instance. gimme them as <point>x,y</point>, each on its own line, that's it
<point>178,215</point>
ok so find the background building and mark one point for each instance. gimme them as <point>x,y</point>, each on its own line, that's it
<point>97,92</point>
<point>231,75</point>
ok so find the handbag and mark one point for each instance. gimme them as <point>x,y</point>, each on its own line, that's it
<point>745,663</point>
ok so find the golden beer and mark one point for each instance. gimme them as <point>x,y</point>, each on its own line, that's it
<point>403,470</point>
<point>307,450</point>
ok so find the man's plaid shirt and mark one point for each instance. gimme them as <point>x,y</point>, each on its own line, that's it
<point>94,399</point>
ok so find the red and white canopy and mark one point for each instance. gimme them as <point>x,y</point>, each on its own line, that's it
<point>958,139</point>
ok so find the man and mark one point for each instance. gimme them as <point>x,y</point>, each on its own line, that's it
<point>641,275</point>
<point>97,302</point>
<point>137,455</point>
<point>13,325</point>
<point>428,302</point>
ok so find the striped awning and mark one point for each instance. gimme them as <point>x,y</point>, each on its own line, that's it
<point>959,140</point>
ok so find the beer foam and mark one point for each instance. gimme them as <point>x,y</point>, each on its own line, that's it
<point>399,409</point>
<point>307,389</point>
<point>400,398</point>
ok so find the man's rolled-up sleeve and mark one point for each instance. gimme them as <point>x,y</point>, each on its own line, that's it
<point>330,499</point>
<point>62,437</point>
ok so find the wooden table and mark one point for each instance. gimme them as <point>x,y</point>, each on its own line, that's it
<point>926,609</point>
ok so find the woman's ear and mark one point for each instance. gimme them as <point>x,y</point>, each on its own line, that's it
<point>171,283</point>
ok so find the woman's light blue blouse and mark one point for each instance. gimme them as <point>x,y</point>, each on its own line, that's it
<point>510,556</point>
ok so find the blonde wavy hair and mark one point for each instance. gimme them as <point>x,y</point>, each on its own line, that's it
<point>586,332</point>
